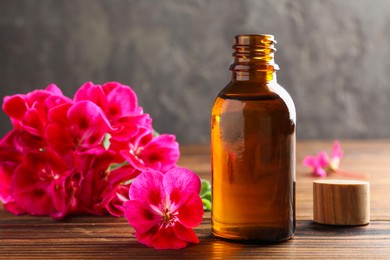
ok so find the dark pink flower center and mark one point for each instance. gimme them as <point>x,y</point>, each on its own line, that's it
<point>169,218</point>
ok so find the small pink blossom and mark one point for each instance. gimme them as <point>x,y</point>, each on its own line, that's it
<point>117,102</point>
<point>88,123</point>
<point>38,183</point>
<point>29,112</point>
<point>146,152</point>
<point>318,163</point>
<point>93,165</point>
<point>322,163</point>
<point>163,209</point>
<point>117,190</point>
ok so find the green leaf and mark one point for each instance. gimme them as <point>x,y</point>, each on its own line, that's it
<point>205,194</point>
<point>206,186</point>
<point>115,166</point>
<point>206,204</point>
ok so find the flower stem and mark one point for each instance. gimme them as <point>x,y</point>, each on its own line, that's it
<point>351,174</point>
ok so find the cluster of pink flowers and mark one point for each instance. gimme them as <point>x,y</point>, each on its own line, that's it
<point>80,156</point>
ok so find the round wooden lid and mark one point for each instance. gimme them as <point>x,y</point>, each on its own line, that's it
<point>341,202</point>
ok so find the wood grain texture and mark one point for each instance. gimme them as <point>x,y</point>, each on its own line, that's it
<point>86,237</point>
<point>341,202</point>
<point>109,237</point>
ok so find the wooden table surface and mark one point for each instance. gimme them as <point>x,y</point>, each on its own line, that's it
<point>112,238</point>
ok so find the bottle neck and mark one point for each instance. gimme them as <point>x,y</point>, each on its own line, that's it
<point>259,76</point>
<point>254,58</point>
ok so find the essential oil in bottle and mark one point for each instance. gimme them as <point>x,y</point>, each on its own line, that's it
<point>253,129</point>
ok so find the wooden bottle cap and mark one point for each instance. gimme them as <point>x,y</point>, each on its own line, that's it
<point>341,202</point>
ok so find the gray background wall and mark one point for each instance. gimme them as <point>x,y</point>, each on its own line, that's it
<point>334,56</point>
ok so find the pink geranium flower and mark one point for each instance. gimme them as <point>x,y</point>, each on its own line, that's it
<point>322,163</point>
<point>117,189</point>
<point>319,163</point>
<point>118,102</point>
<point>93,165</point>
<point>146,152</point>
<point>43,185</point>
<point>29,111</point>
<point>11,155</point>
<point>163,209</point>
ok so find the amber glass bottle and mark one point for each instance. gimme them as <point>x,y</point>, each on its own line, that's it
<point>253,129</point>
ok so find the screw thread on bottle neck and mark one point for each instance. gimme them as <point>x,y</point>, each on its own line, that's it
<point>254,57</point>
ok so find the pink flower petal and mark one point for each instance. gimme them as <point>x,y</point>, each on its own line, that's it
<point>322,159</point>
<point>88,123</point>
<point>53,88</point>
<point>36,98</point>
<point>183,187</point>
<point>124,132</point>
<point>62,191</point>
<point>122,101</point>
<point>141,216</point>
<point>93,93</point>
<point>15,106</point>
<point>10,148</point>
<point>116,191</point>
<point>31,194</point>
<point>33,122</point>
<point>127,129</point>
<point>310,161</point>
<point>54,101</point>
<point>166,238</point>
<point>113,200</point>
<point>13,207</point>
<point>161,153</point>
<point>122,174</point>
<point>134,160</point>
<point>142,120</point>
<point>147,237</point>
<point>58,114</point>
<point>5,180</point>
<point>148,187</point>
<point>179,181</point>
<point>190,211</point>
<point>185,234</point>
<point>337,152</point>
<point>94,180</point>
<point>59,138</point>
<point>318,171</point>
<point>10,158</point>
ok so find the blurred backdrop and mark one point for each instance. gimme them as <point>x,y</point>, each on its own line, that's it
<point>334,57</point>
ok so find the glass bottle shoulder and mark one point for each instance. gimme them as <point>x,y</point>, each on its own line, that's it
<point>268,95</point>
